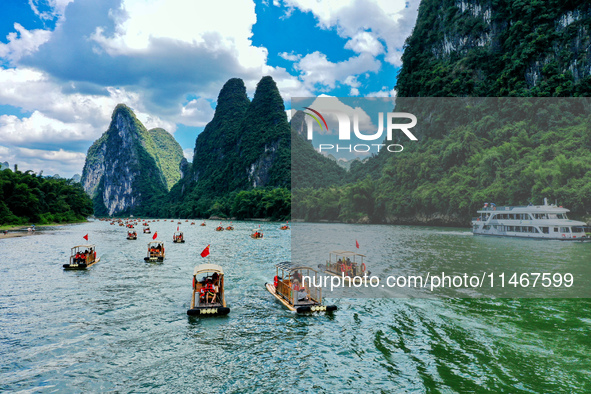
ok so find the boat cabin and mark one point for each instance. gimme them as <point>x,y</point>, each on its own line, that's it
<point>208,296</point>
<point>82,257</point>
<point>147,230</point>
<point>294,286</point>
<point>155,251</point>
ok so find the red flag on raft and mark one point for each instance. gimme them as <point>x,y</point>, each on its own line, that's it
<point>155,235</point>
<point>86,237</point>
<point>357,244</point>
<point>205,252</point>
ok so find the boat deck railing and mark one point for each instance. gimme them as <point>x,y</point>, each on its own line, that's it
<point>510,208</point>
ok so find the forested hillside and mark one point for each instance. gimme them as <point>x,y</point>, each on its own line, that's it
<point>467,155</point>
<point>241,165</point>
<point>26,198</point>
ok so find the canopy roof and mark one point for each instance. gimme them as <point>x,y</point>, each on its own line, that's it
<point>289,266</point>
<point>208,268</point>
<point>345,253</point>
<point>155,242</point>
<point>83,247</point>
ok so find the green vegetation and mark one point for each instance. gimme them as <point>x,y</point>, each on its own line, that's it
<point>26,198</point>
<point>467,155</point>
<point>241,164</point>
<point>167,153</point>
<point>481,156</point>
<point>498,48</point>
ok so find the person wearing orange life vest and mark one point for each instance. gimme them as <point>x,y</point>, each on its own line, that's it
<point>78,257</point>
<point>210,291</point>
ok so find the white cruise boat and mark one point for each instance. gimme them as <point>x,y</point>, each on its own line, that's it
<point>534,221</point>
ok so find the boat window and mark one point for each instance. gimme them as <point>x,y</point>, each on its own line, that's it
<point>555,229</point>
<point>565,229</point>
<point>487,227</point>
<point>578,230</point>
<point>545,230</point>
<point>552,216</point>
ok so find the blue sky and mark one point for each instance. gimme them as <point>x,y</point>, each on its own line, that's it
<point>65,64</point>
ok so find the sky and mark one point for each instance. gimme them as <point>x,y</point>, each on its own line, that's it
<point>66,64</point>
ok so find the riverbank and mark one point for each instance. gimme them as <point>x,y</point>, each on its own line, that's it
<point>12,231</point>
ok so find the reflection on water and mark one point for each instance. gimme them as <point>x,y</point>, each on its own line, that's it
<point>122,325</point>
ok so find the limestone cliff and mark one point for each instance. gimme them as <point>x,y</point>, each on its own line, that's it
<point>128,166</point>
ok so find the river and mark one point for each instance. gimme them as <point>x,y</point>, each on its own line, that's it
<point>122,324</point>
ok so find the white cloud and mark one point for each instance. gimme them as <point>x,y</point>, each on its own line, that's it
<point>62,116</point>
<point>291,56</point>
<point>57,8</point>
<point>23,42</point>
<point>38,128</point>
<point>364,42</point>
<point>390,21</point>
<point>317,72</point>
<point>188,153</point>
<point>208,25</point>
<point>197,112</point>
<point>51,162</point>
<point>384,92</point>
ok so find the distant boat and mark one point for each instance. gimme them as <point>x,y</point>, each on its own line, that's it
<point>178,237</point>
<point>533,221</point>
<point>345,264</point>
<point>131,235</point>
<point>155,252</point>
<point>256,234</point>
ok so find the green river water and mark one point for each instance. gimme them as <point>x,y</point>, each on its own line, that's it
<point>122,324</point>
